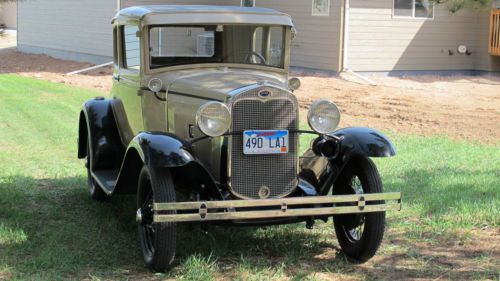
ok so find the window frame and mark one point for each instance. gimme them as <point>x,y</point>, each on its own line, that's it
<point>412,17</point>
<point>327,14</point>
<point>284,69</point>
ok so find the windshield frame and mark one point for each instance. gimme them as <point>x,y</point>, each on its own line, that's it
<point>284,69</point>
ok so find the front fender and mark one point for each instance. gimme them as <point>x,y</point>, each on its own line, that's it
<point>362,141</point>
<point>165,150</point>
<point>355,142</point>
<point>162,150</point>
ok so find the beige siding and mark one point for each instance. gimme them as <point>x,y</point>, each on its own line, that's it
<point>66,27</point>
<point>379,42</point>
<point>318,40</point>
<point>8,14</point>
<point>484,61</point>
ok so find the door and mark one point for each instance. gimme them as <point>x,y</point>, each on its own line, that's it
<point>126,81</point>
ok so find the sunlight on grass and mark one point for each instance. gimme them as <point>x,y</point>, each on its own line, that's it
<point>11,236</point>
<point>51,230</point>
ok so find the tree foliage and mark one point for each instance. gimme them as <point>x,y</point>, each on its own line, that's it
<point>456,5</point>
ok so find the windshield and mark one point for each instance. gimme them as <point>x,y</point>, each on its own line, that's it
<point>241,44</point>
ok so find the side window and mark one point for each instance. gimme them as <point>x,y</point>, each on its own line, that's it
<point>413,9</point>
<point>131,47</point>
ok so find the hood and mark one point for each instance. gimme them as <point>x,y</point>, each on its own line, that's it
<point>220,84</point>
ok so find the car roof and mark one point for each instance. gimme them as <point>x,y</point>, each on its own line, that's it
<point>200,14</point>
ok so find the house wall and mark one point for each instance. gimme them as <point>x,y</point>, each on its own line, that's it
<point>379,42</point>
<point>8,14</point>
<point>68,29</point>
<point>318,40</point>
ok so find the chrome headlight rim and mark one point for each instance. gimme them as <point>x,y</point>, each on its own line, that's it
<point>312,111</point>
<point>199,116</point>
<point>155,85</point>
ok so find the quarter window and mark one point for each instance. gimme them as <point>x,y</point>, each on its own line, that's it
<point>420,9</point>
<point>131,47</point>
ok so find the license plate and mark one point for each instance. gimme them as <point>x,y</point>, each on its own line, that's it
<point>265,142</point>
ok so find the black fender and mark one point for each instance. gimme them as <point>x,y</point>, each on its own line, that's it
<point>362,141</point>
<point>97,121</point>
<point>354,142</point>
<point>165,150</point>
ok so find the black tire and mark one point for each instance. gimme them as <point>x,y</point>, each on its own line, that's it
<point>157,240</point>
<point>359,235</point>
<point>95,190</point>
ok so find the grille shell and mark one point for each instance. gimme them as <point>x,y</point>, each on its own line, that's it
<point>248,173</point>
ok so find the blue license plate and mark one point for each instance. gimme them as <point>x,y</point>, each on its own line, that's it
<point>265,142</point>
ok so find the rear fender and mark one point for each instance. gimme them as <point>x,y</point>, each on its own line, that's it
<point>98,122</point>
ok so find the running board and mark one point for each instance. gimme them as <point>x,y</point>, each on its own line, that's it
<point>282,207</point>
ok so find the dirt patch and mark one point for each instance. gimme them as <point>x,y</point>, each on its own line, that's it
<point>48,68</point>
<point>461,107</point>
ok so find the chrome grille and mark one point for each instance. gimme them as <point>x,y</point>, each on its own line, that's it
<point>278,172</point>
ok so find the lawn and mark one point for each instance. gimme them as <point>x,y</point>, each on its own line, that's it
<point>50,229</point>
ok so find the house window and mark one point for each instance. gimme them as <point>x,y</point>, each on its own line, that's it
<point>131,47</point>
<point>419,9</point>
<point>247,3</point>
<point>321,8</point>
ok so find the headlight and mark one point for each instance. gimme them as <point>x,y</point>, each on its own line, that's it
<point>213,118</point>
<point>323,116</point>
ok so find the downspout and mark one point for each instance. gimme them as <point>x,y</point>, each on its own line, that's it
<point>345,44</point>
<point>345,35</point>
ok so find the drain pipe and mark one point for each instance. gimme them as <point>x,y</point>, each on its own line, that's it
<point>345,35</point>
<point>345,45</point>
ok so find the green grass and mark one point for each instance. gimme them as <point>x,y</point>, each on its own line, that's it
<point>51,230</point>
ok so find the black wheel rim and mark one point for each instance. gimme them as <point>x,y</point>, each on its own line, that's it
<point>146,226</point>
<point>355,233</point>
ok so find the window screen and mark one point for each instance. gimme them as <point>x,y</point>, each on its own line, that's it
<point>131,47</point>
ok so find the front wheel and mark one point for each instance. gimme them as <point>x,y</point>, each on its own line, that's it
<point>359,235</point>
<point>157,240</point>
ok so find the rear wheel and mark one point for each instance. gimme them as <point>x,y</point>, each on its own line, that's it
<point>359,235</point>
<point>157,240</point>
<point>95,190</point>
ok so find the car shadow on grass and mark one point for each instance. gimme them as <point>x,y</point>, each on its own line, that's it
<point>58,232</point>
<point>50,229</point>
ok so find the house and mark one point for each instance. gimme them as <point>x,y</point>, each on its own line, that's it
<point>8,14</point>
<point>333,35</point>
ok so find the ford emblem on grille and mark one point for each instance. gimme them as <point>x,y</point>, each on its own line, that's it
<point>264,94</point>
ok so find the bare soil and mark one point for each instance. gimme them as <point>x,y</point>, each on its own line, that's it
<point>461,107</point>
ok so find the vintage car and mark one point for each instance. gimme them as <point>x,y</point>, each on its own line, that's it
<point>203,126</point>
